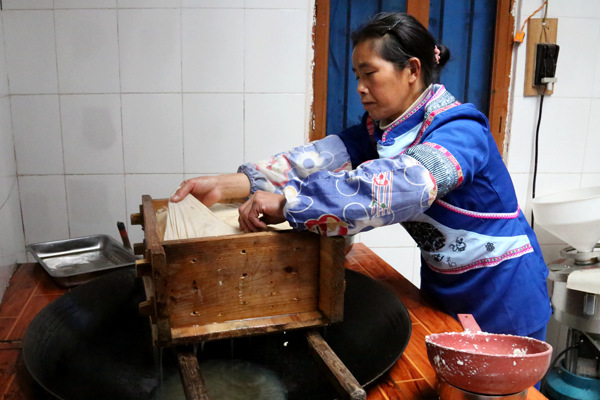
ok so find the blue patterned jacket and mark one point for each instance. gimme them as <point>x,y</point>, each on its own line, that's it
<point>437,171</point>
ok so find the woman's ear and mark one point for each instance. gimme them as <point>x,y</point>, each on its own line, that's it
<point>414,64</point>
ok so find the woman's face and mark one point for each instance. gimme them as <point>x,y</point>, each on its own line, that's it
<point>385,91</point>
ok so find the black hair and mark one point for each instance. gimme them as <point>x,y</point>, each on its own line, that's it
<point>400,37</point>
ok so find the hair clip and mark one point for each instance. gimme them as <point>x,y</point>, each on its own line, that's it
<point>391,28</point>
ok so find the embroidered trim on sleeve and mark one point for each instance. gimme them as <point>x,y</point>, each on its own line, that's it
<point>441,164</point>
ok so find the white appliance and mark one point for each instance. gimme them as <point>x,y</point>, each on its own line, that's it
<point>574,217</point>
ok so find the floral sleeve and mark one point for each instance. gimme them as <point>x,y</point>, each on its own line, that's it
<point>271,175</point>
<point>379,192</point>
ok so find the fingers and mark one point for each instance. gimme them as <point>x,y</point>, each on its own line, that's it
<point>250,213</point>
<point>261,208</point>
<point>184,188</point>
<point>202,188</point>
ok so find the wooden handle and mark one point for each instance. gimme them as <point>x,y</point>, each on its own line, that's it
<point>468,323</point>
<point>143,267</point>
<point>345,383</point>
<point>136,219</point>
<point>191,377</point>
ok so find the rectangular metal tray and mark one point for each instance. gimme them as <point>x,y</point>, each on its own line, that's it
<point>71,262</point>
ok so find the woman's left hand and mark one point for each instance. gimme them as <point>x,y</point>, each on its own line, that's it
<point>260,209</point>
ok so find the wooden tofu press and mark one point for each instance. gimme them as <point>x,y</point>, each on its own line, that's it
<point>220,287</point>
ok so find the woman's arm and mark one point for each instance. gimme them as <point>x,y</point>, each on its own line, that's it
<point>379,192</point>
<point>214,189</point>
<point>273,174</point>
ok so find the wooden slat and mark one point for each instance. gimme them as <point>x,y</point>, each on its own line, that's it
<point>240,277</point>
<point>191,376</point>
<point>160,276</point>
<point>502,64</point>
<point>156,254</point>
<point>338,373</point>
<point>318,123</point>
<point>246,327</point>
<point>420,10</point>
<point>331,277</point>
<point>150,225</point>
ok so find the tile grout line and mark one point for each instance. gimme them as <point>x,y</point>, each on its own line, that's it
<point>420,372</point>
<point>383,393</point>
<point>411,380</point>
<point>8,386</point>
<point>23,310</point>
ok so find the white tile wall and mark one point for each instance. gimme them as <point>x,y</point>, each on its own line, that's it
<point>44,205</point>
<point>213,3</point>
<point>562,147</point>
<point>8,167</point>
<point>3,68</point>
<point>37,131</point>
<point>273,116</point>
<point>213,50</point>
<point>277,39</point>
<point>27,4</point>
<point>12,244</point>
<point>213,133</point>
<point>95,204</point>
<point>87,51</point>
<point>149,3</point>
<point>291,4</point>
<point>150,50</point>
<point>77,4</point>
<point>578,84</point>
<point>591,161</point>
<point>596,81</point>
<point>11,241</point>
<point>30,51</point>
<point>92,138</point>
<point>151,124</point>
<point>519,155</point>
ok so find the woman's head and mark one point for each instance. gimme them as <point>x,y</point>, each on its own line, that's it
<point>394,59</point>
<point>400,37</point>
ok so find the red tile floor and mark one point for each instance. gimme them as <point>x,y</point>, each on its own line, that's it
<point>30,290</point>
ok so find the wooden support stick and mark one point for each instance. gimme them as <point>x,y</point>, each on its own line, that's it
<point>341,377</point>
<point>191,377</point>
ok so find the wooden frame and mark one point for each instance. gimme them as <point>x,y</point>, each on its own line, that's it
<point>502,63</point>
<point>237,285</point>
<point>501,67</point>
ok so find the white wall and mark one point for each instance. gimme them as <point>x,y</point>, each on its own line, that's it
<point>115,99</point>
<point>11,225</point>
<point>569,136</point>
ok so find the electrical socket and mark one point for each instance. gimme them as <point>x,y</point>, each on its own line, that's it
<point>546,57</point>
<point>539,30</point>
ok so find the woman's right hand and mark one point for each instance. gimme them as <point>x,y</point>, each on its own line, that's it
<point>213,189</point>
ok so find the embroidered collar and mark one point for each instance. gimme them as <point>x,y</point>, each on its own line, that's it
<point>416,106</point>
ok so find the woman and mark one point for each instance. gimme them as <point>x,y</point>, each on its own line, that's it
<point>419,158</point>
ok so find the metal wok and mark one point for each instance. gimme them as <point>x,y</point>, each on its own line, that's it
<point>91,343</point>
<point>485,363</point>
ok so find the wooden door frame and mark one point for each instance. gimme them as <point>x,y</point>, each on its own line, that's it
<point>501,65</point>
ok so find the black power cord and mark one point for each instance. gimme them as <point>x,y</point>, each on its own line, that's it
<point>535,155</point>
<point>553,365</point>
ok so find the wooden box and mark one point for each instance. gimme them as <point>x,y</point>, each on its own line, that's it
<point>236,285</point>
